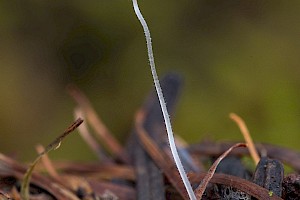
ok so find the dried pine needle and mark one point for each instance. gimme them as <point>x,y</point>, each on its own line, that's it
<point>53,145</point>
<point>201,188</point>
<point>87,137</point>
<point>47,163</point>
<point>242,125</point>
<point>95,121</point>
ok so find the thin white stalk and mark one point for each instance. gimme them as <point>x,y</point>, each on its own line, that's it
<point>163,104</point>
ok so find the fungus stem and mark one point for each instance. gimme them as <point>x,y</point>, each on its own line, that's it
<point>162,103</point>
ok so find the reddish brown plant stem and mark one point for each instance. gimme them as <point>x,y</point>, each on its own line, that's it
<point>201,188</point>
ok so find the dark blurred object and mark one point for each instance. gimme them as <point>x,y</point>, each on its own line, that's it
<point>232,165</point>
<point>150,181</point>
<point>269,174</point>
<point>291,187</point>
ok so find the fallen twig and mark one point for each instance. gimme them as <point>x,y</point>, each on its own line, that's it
<point>236,182</point>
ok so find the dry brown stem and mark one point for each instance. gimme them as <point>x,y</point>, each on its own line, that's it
<point>242,125</point>
<point>87,137</point>
<point>95,121</point>
<point>48,164</point>
<point>201,188</point>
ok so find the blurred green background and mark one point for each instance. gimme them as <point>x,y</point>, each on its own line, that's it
<point>235,56</point>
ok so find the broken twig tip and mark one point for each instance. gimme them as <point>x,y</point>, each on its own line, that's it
<point>52,146</point>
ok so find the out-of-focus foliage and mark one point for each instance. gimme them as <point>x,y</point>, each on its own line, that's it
<point>235,56</point>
